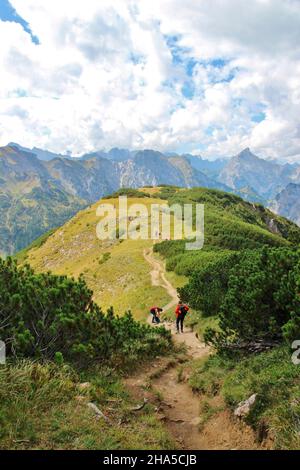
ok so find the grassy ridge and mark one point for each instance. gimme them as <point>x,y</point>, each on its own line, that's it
<point>115,270</point>
<point>45,406</point>
<point>230,224</point>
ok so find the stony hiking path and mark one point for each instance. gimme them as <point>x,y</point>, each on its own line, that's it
<point>158,277</point>
<point>177,405</point>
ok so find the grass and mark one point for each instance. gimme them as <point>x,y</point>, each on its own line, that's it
<point>198,322</point>
<point>115,270</point>
<point>43,406</point>
<point>231,225</point>
<point>23,254</point>
<point>271,375</point>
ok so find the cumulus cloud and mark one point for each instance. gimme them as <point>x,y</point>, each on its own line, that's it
<point>211,76</point>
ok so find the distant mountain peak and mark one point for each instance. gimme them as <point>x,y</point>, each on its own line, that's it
<point>246,153</point>
<point>41,154</point>
<point>13,144</point>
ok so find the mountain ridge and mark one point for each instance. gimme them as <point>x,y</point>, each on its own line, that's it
<point>247,170</point>
<point>29,179</point>
<point>116,270</point>
<point>26,181</point>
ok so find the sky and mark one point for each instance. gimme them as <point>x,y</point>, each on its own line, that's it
<point>207,77</point>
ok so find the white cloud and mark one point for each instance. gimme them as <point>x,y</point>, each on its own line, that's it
<point>165,74</point>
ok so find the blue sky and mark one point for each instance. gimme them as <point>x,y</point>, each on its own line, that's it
<point>8,13</point>
<point>210,79</point>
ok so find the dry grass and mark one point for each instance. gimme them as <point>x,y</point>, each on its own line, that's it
<point>115,270</point>
<point>45,407</point>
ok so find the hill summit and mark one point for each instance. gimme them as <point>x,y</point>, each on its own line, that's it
<point>116,270</point>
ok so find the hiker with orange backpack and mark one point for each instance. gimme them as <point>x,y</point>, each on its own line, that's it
<point>181,311</point>
<point>155,312</point>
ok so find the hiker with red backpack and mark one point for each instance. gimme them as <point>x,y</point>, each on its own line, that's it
<point>155,312</point>
<point>181,311</point>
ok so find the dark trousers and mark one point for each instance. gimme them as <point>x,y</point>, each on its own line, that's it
<point>179,322</point>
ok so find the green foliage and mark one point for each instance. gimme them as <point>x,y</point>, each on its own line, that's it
<point>166,191</point>
<point>246,283</point>
<point>105,257</point>
<point>169,248</point>
<point>208,284</point>
<point>232,223</point>
<point>246,273</point>
<point>188,263</point>
<point>129,192</point>
<point>44,316</point>
<point>58,358</point>
<point>262,299</point>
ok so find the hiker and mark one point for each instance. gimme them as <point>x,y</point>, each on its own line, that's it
<point>181,311</point>
<point>155,312</point>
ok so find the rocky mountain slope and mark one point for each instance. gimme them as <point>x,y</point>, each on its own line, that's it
<point>31,201</point>
<point>273,184</point>
<point>248,173</point>
<point>39,153</point>
<point>37,195</point>
<point>287,202</point>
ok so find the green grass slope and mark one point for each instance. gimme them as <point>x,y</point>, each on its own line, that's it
<point>115,270</point>
<point>231,224</point>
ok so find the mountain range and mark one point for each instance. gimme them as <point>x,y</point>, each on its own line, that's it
<point>40,190</point>
<point>251,174</point>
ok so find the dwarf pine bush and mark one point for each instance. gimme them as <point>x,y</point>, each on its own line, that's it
<point>45,316</point>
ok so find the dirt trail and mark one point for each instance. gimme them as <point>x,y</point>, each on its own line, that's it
<point>158,277</point>
<point>178,406</point>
